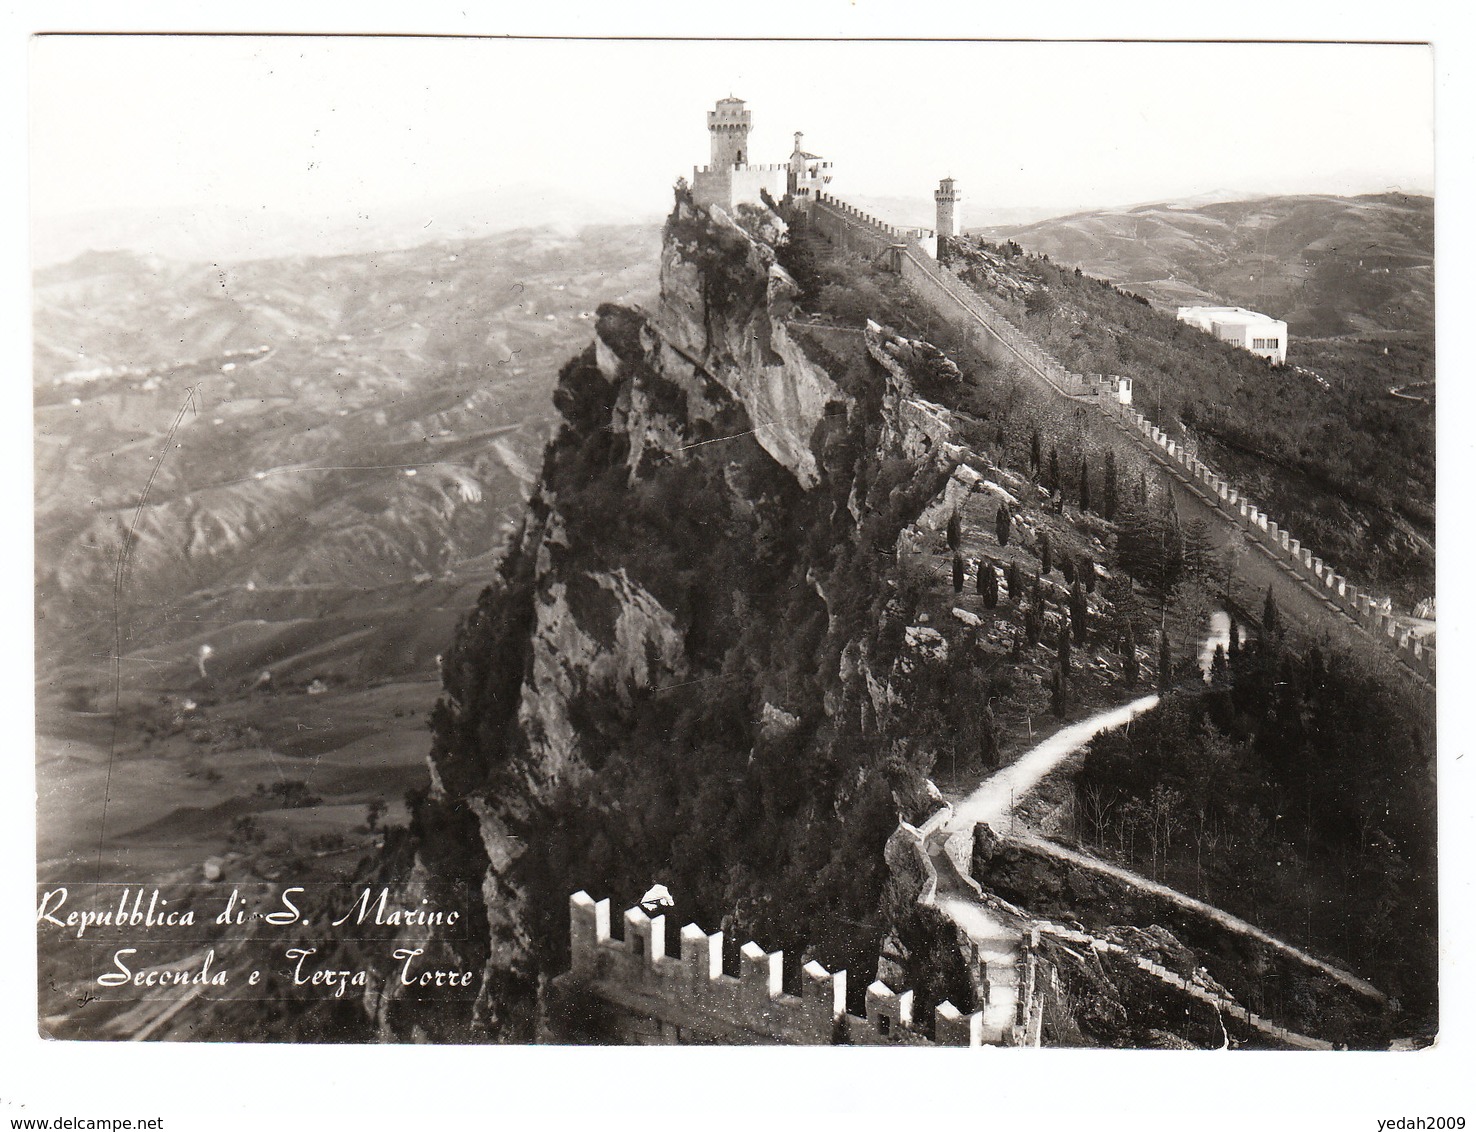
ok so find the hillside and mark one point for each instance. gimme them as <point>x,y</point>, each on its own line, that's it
<point>1330,450</point>
<point>316,461</point>
<point>1326,265</point>
<point>207,230</point>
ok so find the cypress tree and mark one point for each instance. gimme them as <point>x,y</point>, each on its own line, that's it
<point>955,531</point>
<point>1032,626</point>
<point>1063,648</point>
<point>1013,582</point>
<point>1045,552</point>
<point>1142,487</point>
<point>1109,488</point>
<point>988,740</point>
<point>1219,669</point>
<point>1079,613</point>
<point>988,585</point>
<point>1058,694</point>
<point>1165,662</point>
<point>1234,649</point>
<point>1270,615</point>
<point>1088,573</point>
<point>1068,569</point>
<point>1035,591</point>
<point>1055,479</point>
<point>958,573</point>
<point>1035,451</point>
<point>1086,485</point>
<point>999,435</point>
<point>1002,524</point>
<point>1017,646</point>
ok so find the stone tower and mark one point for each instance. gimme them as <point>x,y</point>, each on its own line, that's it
<point>947,199</point>
<point>729,125</point>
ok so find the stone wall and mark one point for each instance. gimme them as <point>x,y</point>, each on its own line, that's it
<point>727,187</point>
<point>972,314</point>
<point>848,227</point>
<point>975,316</point>
<point>644,995</point>
<point>1372,612</point>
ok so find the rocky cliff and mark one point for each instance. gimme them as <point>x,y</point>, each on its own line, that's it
<point>684,672</point>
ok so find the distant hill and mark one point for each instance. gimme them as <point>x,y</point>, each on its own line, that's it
<point>215,233</point>
<point>1327,265</point>
<point>356,421</point>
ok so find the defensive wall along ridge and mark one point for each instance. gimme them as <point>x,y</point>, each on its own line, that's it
<point>655,998</point>
<point>688,998</point>
<point>976,317</point>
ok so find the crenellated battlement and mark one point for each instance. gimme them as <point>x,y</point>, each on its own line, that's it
<point>741,168</point>
<point>692,1000</point>
<point>1373,613</point>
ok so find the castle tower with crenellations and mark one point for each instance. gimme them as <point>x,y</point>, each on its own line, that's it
<point>730,180</point>
<point>946,197</point>
<point>728,125</point>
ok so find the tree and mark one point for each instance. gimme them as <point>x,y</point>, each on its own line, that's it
<point>1063,647</point>
<point>373,813</point>
<point>1068,570</point>
<point>988,585</point>
<point>1035,451</point>
<point>1219,669</point>
<point>1035,591</point>
<point>1109,488</point>
<point>1150,548</point>
<point>1079,612</point>
<point>1086,485</point>
<point>1042,304</point>
<point>1088,573</point>
<point>1058,693</point>
<point>1013,582</point>
<point>1270,615</point>
<point>1045,552</point>
<point>1165,663</point>
<point>1234,648</point>
<point>958,573</point>
<point>1017,646</point>
<point>797,255</point>
<point>1130,660</point>
<point>1199,551</point>
<point>955,531</point>
<point>1032,626</point>
<point>1054,480</point>
<point>988,739</point>
<point>1002,524</point>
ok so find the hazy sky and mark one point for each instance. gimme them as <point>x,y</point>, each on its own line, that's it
<point>344,124</point>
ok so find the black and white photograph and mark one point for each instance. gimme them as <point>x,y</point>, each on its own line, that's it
<point>748,540</point>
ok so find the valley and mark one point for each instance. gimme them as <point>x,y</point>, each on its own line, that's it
<point>314,463</point>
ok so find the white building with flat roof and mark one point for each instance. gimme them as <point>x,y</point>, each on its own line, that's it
<point>1262,336</point>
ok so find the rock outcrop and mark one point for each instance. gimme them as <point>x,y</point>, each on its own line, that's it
<point>683,672</point>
